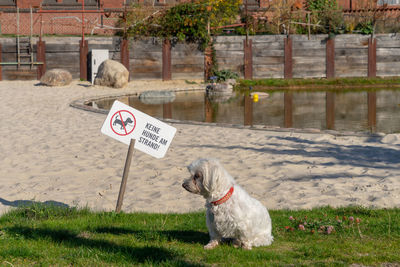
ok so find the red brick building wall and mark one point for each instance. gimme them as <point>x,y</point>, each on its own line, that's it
<point>95,23</point>
<point>65,23</point>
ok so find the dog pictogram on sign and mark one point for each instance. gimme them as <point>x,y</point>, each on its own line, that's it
<point>123,122</point>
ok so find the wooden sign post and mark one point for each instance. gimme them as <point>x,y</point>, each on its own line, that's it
<point>139,131</point>
<point>125,175</point>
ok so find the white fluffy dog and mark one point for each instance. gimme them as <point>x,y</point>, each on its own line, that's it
<point>231,212</point>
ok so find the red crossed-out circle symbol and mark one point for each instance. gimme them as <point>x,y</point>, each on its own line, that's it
<point>122,122</point>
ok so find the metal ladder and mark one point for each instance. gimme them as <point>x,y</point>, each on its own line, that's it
<point>24,46</point>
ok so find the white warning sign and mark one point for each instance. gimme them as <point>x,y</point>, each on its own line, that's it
<point>125,123</point>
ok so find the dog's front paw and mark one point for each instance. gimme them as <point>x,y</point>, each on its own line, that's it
<point>212,244</point>
<point>246,246</point>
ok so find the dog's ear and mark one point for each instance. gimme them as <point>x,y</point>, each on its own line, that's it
<point>216,179</point>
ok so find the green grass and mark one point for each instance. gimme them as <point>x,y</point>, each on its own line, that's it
<point>265,84</point>
<point>68,236</point>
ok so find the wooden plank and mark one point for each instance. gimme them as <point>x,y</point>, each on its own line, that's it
<point>233,61</point>
<point>308,45</point>
<point>267,60</point>
<point>353,73</point>
<point>387,51</point>
<point>269,68</point>
<point>352,45</point>
<point>238,54</point>
<point>147,56</point>
<point>267,53</point>
<point>147,48</point>
<point>146,75</point>
<point>387,37</point>
<point>388,73</point>
<point>181,68</point>
<point>389,65</point>
<point>313,38</point>
<point>345,52</point>
<point>9,49</point>
<point>309,53</point>
<point>308,74</point>
<point>238,68</point>
<point>229,39</point>
<point>267,75</point>
<point>187,76</point>
<point>145,69</point>
<point>320,66</point>
<point>147,62</point>
<point>268,38</point>
<point>226,46</point>
<point>9,74</point>
<point>273,45</point>
<point>388,44</point>
<point>351,64</point>
<point>188,60</point>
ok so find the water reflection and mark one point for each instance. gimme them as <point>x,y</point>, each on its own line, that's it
<point>330,110</point>
<point>375,111</point>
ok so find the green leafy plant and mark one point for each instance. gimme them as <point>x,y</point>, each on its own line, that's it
<point>223,75</point>
<point>327,14</point>
<point>190,22</point>
<point>366,27</point>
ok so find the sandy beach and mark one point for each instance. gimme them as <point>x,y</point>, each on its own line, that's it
<point>53,152</point>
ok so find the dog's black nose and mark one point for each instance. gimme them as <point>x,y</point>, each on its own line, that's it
<point>185,186</point>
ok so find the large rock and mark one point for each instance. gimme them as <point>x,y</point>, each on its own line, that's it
<point>113,74</point>
<point>157,97</point>
<point>56,77</point>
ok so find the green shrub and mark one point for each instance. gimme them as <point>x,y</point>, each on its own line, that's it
<point>223,75</point>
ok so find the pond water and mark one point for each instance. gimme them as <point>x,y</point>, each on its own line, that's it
<point>372,111</point>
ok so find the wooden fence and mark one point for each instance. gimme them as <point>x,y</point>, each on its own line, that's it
<point>267,56</point>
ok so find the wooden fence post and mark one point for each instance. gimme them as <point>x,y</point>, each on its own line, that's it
<point>372,57</point>
<point>166,60</point>
<point>288,67</point>
<point>41,57</point>
<point>83,53</point>
<point>330,58</point>
<point>125,54</point>
<point>1,69</point>
<point>248,59</point>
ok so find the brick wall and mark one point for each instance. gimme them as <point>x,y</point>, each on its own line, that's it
<point>67,23</point>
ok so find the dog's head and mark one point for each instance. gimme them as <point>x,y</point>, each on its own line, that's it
<point>208,178</point>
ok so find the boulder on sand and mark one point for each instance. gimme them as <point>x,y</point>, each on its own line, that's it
<point>56,77</point>
<point>112,74</point>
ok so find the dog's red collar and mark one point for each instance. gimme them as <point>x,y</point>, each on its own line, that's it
<point>224,198</point>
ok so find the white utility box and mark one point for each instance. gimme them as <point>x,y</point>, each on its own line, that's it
<point>97,56</point>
